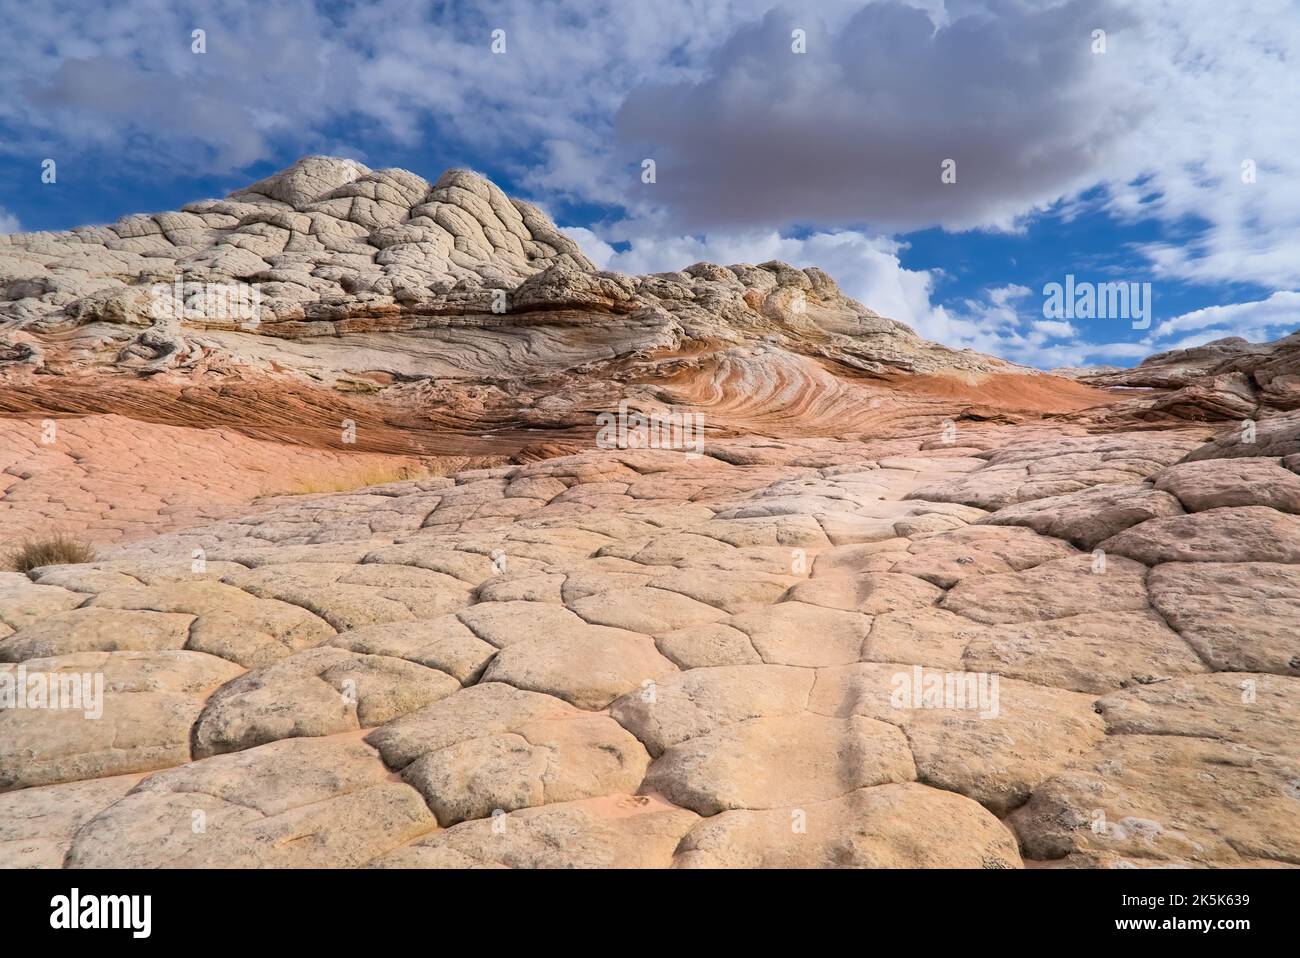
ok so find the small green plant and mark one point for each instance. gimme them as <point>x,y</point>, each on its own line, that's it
<point>58,549</point>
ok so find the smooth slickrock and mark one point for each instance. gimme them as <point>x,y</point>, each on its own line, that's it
<point>702,646</point>
<point>859,557</point>
<point>730,591</point>
<point>37,824</point>
<point>1053,590</point>
<point>994,743</point>
<point>316,692</point>
<point>140,721</point>
<point>1242,617</point>
<point>228,622</point>
<point>97,630</point>
<point>469,567</point>
<point>1161,800</point>
<point>796,633</point>
<point>1018,547</point>
<point>873,593</point>
<point>753,678</point>
<point>616,831</point>
<point>523,586</point>
<point>1000,761</point>
<point>929,636</point>
<point>1273,435</point>
<point>934,522</point>
<point>444,643</point>
<point>1245,534</point>
<point>23,603</point>
<point>946,566</point>
<point>1215,484</point>
<point>777,761</point>
<point>589,667</point>
<point>352,596</point>
<point>1088,653</point>
<point>1253,709</point>
<point>495,747</point>
<point>1030,470</point>
<point>667,549</point>
<point>1087,517</point>
<point>502,624</point>
<point>645,610</point>
<point>888,826</point>
<point>698,701</point>
<point>288,804</point>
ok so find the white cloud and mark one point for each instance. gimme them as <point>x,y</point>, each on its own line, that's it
<point>850,133</point>
<point>1054,329</point>
<point>8,222</point>
<point>597,250</point>
<point>1257,321</point>
<point>83,80</point>
<point>857,129</point>
<point>1224,83</point>
<point>1005,295</point>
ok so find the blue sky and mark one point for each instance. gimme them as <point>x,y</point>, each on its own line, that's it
<point>816,133</point>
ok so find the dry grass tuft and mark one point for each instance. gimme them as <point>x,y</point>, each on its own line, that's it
<point>58,549</point>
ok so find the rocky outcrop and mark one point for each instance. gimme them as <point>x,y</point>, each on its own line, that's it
<point>1225,380</point>
<point>893,606</point>
<point>330,248</point>
<point>454,300</point>
<point>352,311</point>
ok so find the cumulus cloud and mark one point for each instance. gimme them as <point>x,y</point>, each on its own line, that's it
<point>857,129</point>
<point>278,80</point>
<point>1055,329</point>
<point>1012,329</point>
<point>1007,322</point>
<point>747,134</point>
<point>1183,120</point>
<point>80,79</point>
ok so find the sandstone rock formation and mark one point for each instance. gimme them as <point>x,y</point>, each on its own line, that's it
<point>901,607</point>
<point>1224,380</point>
<point>332,307</point>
